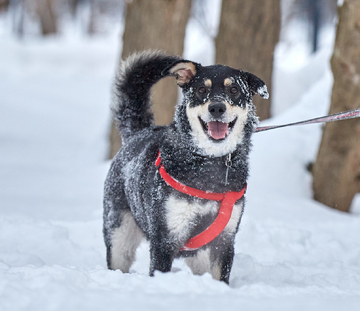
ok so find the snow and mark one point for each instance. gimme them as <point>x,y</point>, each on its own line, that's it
<point>292,253</point>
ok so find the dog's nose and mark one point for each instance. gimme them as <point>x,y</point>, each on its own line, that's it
<point>217,109</point>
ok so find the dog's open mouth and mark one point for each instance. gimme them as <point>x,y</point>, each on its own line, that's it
<point>217,130</point>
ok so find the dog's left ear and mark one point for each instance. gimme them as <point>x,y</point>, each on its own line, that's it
<point>256,85</point>
<point>183,70</point>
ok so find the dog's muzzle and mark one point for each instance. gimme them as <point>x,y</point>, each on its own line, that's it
<point>216,129</point>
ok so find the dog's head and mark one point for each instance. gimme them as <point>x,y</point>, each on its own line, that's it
<point>218,101</point>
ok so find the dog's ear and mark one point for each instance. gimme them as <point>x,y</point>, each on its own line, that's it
<point>183,70</point>
<point>256,85</point>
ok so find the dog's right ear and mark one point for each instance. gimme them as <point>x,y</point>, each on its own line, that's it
<point>183,70</point>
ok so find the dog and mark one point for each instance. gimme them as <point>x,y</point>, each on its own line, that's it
<point>172,184</point>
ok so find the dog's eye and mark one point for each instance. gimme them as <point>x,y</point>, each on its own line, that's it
<point>234,90</point>
<point>202,90</point>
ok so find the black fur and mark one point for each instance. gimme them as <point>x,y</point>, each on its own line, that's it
<point>132,88</point>
<point>134,186</point>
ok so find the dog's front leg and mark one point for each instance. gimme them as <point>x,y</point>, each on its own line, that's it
<point>225,261</point>
<point>161,257</point>
<point>223,256</point>
<point>226,264</point>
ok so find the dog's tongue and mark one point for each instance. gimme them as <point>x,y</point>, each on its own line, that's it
<point>217,130</point>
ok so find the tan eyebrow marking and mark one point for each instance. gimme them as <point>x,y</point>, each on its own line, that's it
<point>227,82</point>
<point>208,83</point>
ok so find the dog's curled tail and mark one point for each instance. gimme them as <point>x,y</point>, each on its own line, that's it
<point>136,75</point>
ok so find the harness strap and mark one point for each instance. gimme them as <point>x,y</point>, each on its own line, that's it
<point>227,199</point>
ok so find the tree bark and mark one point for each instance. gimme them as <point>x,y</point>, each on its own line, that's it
<point>248,33</point>
<point>4,4</point>
<point>48,20</point>
<point>73,6</point>
<point>158,25</point>
<point>336,172</point>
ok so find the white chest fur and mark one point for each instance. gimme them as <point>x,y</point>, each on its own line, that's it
<point>181,215</point>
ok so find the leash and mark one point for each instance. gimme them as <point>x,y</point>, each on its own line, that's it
<point>228,200</point>
<point>350,114</point>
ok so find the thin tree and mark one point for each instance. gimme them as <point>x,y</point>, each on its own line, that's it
<point>336,172</point>
<point>159,25</point>
<point>316,13</point>
<point>4,4</point>
<point>48,19</point>
<point>248,33</point>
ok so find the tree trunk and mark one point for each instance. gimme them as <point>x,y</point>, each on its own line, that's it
<point>18,15</point>
<point>158,25</point>
<point>73,6</point>
<point>336,172</point>
<point>315,12</point>
<point>93,15</point>
<point>4,4</point>
<point>248,33</point>
<point>48,21</point>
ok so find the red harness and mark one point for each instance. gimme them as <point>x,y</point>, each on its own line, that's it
<point>227,199</point>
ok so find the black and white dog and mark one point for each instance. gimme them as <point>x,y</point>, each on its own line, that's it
<point>205,149</point>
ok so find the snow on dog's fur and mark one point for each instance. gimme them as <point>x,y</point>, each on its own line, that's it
<point>216,118</point>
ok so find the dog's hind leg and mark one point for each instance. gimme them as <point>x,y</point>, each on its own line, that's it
<point>200,263</point>
<point>216,260</point>
<point>225,264</point>
<point>222,256</point>
<point>203,262</point>
<point>124,240</point>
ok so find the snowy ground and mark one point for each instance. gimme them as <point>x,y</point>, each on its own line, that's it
<point>291,252</point>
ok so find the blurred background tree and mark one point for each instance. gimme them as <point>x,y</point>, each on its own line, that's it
<point>158,25</point>
<point>246,38</point>
<point>248,33</point>
<point>48,19</point>
<point>336,172</point>
<point>316,14</point>
<point>4,4</point>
